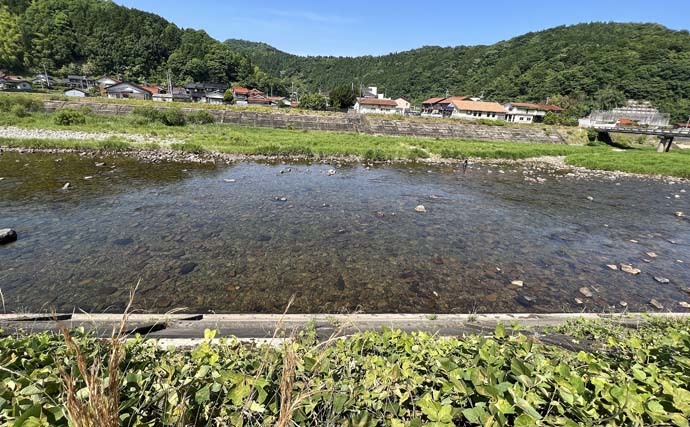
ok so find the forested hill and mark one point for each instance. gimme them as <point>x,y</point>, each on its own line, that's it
<point>589,64</point>
<point>95,37</point>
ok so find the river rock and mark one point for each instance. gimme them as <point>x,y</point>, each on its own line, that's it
<point>66,186</point>
<point>229,180</point>
<point>652,255</point>
<point>684,304</point>
<point>578,301</point>
<point>656,304</point>
<point>586,292</point>
<point>420,209</point>
<point>331,172</point>
<point>630,269</point>
<point>680,214</point>
<point>526,301</point>
<point>613,267</point>
<point>518,283</point>
<point>662,280</point>
<point>188,268</point>
<point>7,235</point>
<point>623,304</point>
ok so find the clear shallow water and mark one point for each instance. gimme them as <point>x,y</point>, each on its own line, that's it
<point>339,243</point>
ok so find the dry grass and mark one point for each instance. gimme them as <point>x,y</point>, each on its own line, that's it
<point>101,406</point>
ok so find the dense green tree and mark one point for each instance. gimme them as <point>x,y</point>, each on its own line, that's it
<point>11,40</point>
<point>342,97</point>
<point>313,101</point>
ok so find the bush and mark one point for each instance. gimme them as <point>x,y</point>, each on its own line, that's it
<point>19,110</point>
<point>68,117</point>
<point>375,155</point>
<point>417,153</point>
<point>148,114</point>
<point>201,117</point>
<point>30,104</point>
<point>174,117</point>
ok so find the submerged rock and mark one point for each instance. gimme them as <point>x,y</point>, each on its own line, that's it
<point>586,292</point>
<point>656,304</point>
<point>124,242</point>
<point>7,235</point>
<point>188,268</point>
<point>340,283</point>
<point>420,209</point>
<point>66,186</point>
<point>613,267</point>
<point>630,269</point>
<point>662,280</point>
<point>526,301</point>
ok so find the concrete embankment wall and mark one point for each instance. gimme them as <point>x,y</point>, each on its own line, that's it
<point>338,122</point>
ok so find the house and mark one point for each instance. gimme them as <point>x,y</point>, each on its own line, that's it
<point>268,101</point>
<point>440,107</point>
<point>14,83</point>
<point>127,90</point>
<point>178,94</point>
<point>45,80</point>
<point>106,81</point>
<point>475,110</point>
<point>198,91</point>
<point>82,82</point>
<point>75,93</point>
<point>376,106</point>
<point>525,112</point>
<point>241,95</point>
<point>641,112</point>
<point>216,97</point>
<point>404,105</point>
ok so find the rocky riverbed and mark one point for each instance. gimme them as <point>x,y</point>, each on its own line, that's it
<point>245,236</point>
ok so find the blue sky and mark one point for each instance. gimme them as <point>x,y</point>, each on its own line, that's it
<point>359,27</point>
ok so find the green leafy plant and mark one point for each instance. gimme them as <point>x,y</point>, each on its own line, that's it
<point>68,117</point>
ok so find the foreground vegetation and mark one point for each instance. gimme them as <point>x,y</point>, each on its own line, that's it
<point>196,132</point>
<point>631,377</point>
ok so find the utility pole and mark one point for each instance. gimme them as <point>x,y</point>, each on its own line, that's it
<point>45,75</point>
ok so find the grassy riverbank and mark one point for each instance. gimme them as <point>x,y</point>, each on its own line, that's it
<point>139,131</point>
<point>622,376</point>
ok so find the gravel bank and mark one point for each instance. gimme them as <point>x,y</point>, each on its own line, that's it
<point>23,133</point>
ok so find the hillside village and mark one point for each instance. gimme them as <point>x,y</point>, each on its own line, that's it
<point>370,101</point>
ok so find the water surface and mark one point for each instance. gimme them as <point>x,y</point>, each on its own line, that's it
<point>339,243</point>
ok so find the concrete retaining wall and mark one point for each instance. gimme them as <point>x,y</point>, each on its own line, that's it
<point>340,122</point>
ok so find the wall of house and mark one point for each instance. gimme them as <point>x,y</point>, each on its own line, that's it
<point>472,115</point>
<point>340,122</point>
<point>373,109</point>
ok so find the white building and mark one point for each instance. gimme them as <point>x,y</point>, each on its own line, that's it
<point>475,110</point>
<point>76,93</point>
<point>404,106</point>
<point>525,112</point>
<point>376,106</point>
<point>636,112</point>
<point>128,90</point>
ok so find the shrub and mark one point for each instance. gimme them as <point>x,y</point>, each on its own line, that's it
<point>375,155</point>
<point>201,117</point>
<point>174,117</point>
<point>68,117</point>
<point>417,153</point>
<point>19,110</point>
<point>29,104</point>
<point>148,114</point>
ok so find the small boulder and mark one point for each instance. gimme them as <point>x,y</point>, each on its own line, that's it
<point>652,255</point>
<point>518,283</point>
<point>526,301</point>
<point>662,280</point>
<point>680,214</point>
<point>656,304</point>
<point>586,292</point>
<point>66,186</point>
<point>684,304</point>
<point>331,172</point>
<point>630,269</point>
<point>7,235</point>
<point>623,304</point>
<point>613,267</point>
<point>420,209</point>
<point>578,301</point>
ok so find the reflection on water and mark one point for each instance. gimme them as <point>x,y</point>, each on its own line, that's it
<point>196,239</point>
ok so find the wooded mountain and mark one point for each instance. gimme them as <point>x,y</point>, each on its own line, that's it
<point>580,67</point>
<point>586,65</point>
<point>95,37</point>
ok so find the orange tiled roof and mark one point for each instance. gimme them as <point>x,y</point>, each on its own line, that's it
<point>376,101</point>
<point>489,107</point>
